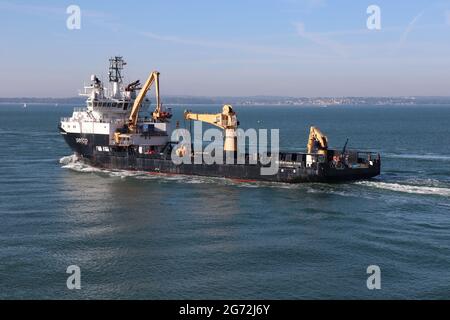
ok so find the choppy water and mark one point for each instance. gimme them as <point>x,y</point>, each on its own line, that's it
<point>136,235</point>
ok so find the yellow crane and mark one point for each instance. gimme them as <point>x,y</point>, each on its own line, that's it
<point>158,114</point>
<point>317,140</point>
<point>227,120</point>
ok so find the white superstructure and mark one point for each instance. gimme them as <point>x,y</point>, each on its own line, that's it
<point>107,112</point>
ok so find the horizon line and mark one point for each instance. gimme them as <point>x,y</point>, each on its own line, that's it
<point>251,96</point>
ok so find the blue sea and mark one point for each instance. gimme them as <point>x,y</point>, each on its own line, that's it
<point>137,236</point>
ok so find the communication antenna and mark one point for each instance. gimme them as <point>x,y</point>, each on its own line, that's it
<point>115,67</point>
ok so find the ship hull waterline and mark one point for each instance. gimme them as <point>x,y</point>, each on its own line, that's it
<point>84,147</point>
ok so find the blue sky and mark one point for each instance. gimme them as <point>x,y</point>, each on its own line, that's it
<point>230,48</point>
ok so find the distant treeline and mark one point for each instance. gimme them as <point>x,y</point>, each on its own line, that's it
<point>74,100</point>
<point>166,100</point>
<point>258,100</point>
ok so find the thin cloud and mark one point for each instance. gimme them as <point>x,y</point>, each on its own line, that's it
<point>315,3</point>
<point>408,30</point>
<point>309,4</point>
<point>49,10</point>
<point>57,12</point>
<point>98,18</point>
<point>29,8</point>
<point>321,40</point>
<point>255,49</point>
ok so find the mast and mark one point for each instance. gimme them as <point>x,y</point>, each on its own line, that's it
<point>115,76</point>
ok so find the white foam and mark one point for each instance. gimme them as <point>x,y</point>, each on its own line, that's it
<point>72,162</point>
<point>426,156</point>
<point>407,188</point>
<point>68,159</point>
<point>427,182</point>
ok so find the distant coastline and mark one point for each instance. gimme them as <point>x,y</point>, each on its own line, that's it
<point>258,100</point>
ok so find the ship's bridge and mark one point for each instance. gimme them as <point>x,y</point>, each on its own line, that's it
<point>121,106</point>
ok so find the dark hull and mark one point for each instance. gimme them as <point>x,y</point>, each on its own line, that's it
<point>130,159</point>
<point>319,173</point>
<point>84,144</point>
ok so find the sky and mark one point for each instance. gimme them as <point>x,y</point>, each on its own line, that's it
<point>300,48</point>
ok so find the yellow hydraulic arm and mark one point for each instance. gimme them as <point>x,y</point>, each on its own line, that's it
<point>154,77</point>
<point>158,114</point>
<point>227,120</point>
<point>316,135</point>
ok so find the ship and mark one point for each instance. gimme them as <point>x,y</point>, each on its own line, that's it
<point>118,130</point>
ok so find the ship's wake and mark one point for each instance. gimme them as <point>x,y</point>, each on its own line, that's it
<point>72,162</point>
<point>407,188</point>
<point>425,157</point>
<point>415,187</point>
